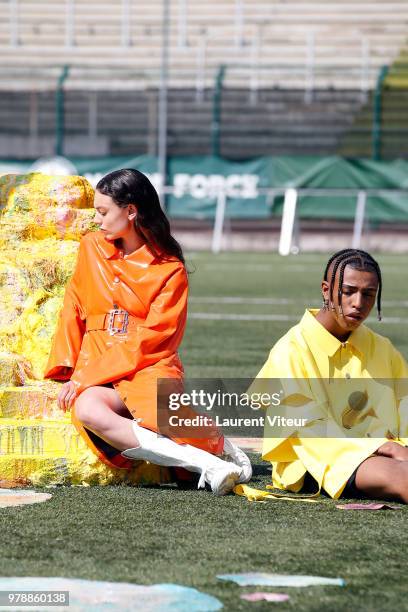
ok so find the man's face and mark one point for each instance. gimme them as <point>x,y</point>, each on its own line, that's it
<point>113,220</point>
<point>357,299</point>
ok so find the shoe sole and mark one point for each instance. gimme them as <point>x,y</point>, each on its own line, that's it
<point>226,485</point>
<point>237,456</point>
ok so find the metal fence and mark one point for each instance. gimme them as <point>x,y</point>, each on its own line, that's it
<point>289,242</point>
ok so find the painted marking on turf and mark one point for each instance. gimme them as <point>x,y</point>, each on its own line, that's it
<point>221,316</point>
<point>397,320</point>
<point>240,300</point>
<point>233,299</point>
<point>221,267</point>
<point>246,267</point>
<point>258,267</point>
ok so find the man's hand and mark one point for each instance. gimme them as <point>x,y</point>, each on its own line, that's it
<point>393,450</point>
<point>67,395</point>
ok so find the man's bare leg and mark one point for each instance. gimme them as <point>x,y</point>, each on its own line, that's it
<point>382,477</point>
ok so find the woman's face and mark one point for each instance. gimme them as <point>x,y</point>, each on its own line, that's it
<point>114,221</point>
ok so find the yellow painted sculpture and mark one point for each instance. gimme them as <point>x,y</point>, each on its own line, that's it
<point>42,219</point>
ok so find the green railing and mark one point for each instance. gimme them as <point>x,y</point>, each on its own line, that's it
<point>216,116</point>
<point>377,113</point>
<point>374,131</point>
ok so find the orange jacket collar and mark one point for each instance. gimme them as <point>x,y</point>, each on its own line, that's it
<point>109,250</point>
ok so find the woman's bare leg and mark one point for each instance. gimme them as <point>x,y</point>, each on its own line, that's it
<point>101,410</point>
<point>383,478</point>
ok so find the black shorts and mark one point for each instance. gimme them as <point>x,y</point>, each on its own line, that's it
<point>350,490</point>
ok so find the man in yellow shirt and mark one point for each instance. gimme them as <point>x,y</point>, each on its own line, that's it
<point>348,384</point>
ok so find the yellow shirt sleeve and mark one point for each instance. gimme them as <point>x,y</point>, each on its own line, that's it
<point>303,403</point>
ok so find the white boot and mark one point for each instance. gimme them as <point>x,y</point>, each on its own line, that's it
<point>220,475</point>
<point>239,458</point>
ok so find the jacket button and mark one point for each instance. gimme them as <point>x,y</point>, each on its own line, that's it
<point>116,279</point>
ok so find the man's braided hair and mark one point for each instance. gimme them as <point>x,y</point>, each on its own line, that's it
<point>357,259</point>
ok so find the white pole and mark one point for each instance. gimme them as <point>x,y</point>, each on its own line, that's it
<point>254,81</point>
<point>125,29</point>
<point>164,68</point>
<point>365,59</point>
<point>92,114</point>
<point>33,115</point>
<point>239,23</point>
<point>200,67</point>
<point>219,221</point>
<point>69,23</point>
<point>13,7</point>
<point>288,221</point>
<point>310,66</point>
<point>182,24</point>
<point>359,219</point>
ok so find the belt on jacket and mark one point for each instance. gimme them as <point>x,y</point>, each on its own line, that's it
<point>116,321</point>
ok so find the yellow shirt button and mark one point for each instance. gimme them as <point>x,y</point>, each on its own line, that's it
<point>116,279</point>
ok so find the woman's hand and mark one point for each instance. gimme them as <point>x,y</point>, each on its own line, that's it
<point>67,395</point>
<point>394,451</point>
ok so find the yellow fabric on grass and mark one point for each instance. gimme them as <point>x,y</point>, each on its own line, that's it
<point>319,376</point>
<point>258,495</point>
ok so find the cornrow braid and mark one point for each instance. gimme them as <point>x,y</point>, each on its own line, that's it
<point>332,258</point>
<point>343,252</point>
<point>362,260</point>
<point>342,266</point>
<point>338,258</point>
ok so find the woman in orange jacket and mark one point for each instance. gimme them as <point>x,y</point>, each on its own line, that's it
<point>121,324</point>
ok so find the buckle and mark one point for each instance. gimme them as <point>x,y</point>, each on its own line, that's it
<point>117,312</point>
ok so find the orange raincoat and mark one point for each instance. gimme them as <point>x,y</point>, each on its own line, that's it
<point>154,293</point>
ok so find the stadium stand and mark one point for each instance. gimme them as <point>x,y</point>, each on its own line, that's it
<point>299,75</point>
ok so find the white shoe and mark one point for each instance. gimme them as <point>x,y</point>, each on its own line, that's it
<point>222,479</point>
<point>220,475</point>
<point>239,458</point>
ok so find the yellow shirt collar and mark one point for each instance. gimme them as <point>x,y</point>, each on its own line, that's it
<point>319,338</point>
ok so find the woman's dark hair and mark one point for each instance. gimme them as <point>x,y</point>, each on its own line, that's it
<point>357,259</point>
<point>129,186</point>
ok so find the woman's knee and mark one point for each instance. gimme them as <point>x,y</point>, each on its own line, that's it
<point>97,408</point>
<point>85,407</point>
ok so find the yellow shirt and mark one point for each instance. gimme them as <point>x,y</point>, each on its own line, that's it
<point>353,397</point>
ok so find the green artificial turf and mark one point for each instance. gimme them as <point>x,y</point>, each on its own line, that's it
<point>156,535</point>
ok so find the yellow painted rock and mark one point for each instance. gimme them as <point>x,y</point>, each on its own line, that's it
<point>42,219</point>
<point>37,191</point>
<point>50,451</point>
<point>14,370</point>
<point>31,291</point>
<point>30,401</point>
<point>39,206</point>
